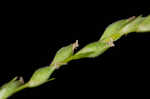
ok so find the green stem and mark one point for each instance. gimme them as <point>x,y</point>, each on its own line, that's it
<point>21,88</point>
<point>112,33</point>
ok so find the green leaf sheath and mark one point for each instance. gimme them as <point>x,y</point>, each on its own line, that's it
<point>112,33</point>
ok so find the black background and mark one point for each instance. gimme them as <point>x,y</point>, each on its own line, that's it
<point>30,37</point>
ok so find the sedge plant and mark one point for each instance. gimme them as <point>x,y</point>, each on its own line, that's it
<point>64,55</point>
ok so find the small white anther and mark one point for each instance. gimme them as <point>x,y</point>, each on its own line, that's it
<point>110,43</point>
<point>75,45</point>
<point>21,80</point>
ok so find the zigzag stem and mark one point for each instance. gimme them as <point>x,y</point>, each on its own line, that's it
<point>112,33</point>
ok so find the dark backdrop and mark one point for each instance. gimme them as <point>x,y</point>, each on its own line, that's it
<point>30,37</point>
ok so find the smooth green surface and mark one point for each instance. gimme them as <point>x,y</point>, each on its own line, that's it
<point>62,55</point>
<point>145,25</point>
<point>92,50</point>
<point>133,26</point>
<point>40,76</point>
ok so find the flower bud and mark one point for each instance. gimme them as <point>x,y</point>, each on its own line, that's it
<point>9,88</point>
<point>40,76</point>
<point>145,25</point>
<point>132,26</point>
<point>119,28</point>
<point>92,50</point>
<point>63,54</point>
<point>112,31</point>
